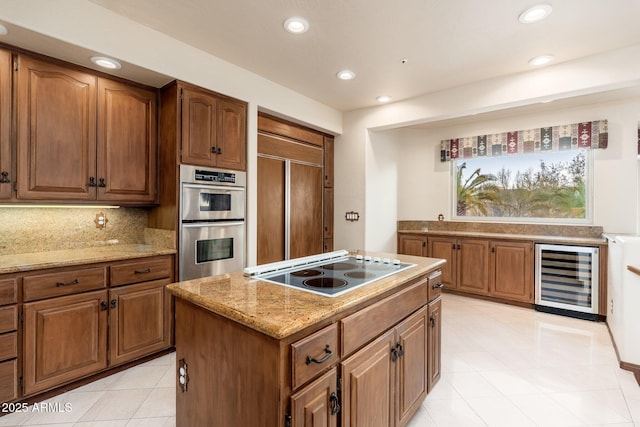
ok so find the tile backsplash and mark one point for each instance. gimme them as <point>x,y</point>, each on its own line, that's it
<point>25,230</point>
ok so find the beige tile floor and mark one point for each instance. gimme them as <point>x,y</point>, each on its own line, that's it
<point>501,366</point>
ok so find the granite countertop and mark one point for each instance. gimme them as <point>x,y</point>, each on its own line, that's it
<point>280,311</point>
<point>535,237</point>
<point>69,257</point>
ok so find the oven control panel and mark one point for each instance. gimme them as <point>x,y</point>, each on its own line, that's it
<point>215,176</point>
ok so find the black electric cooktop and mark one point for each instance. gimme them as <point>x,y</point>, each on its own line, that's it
<point>336,276</point>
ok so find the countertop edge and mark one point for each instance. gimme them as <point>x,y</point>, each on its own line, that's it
<point>535,237</point>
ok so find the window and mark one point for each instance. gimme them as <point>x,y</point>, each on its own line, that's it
<point>542,186</point>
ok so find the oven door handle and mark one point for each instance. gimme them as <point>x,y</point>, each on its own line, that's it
<point>212,187</point>
<point>211,224</point>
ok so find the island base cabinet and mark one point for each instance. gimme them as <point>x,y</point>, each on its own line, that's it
<point>385,382</point>
<point>316,405</point>
<point>434,346</point>
<point>65,338</point>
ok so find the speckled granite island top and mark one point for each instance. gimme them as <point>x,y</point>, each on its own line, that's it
<point>69,257</point>
<point>280,311</point>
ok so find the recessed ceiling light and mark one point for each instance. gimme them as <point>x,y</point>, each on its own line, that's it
<point>346,75</point>
<point>3,30</point>
<point>296,25</point>
<point>383,98</point>
<point>541,60</point>
<point>535,13</point>
<point>104,62</point>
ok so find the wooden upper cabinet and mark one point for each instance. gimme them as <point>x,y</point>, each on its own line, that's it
<point>5,125</point>
<point>198,127</point>
<point>214,130</point>
<point>56,131</point>
<point>232,135</point>
<point>328,161</point>
<point>127,141</point>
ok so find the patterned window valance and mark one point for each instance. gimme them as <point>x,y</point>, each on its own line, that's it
<point>554,138</point>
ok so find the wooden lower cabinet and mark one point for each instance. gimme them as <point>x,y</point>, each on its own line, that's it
<point>502,269</point>
<point>316,405</point>
<point>434,344</point>
<point>412,244</point>
<point>65,338</point>
<point>385,382</point>
<point>8,339</point>
<point>512,277</point>
<point>139,320</point>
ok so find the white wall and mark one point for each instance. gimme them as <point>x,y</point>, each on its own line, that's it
<point>425,187</point>
<point>422,188</point>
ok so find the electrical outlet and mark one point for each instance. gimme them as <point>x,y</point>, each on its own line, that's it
<point>101,220</point>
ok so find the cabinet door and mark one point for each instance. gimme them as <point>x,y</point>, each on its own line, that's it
<point>64,339</point>
<point>368,381</point>
<point>199,125</point>
<point>412,244</point>
<point>231,150</point>
<point>316,404</point>
<point>127,142</point>
<point>473,266</point>
<point>140,320</point>
<point>434,345</point>
<point>271,210</point>
<point>328,161</point>
<point>56,109</point>
<point>5,124</point>
<point>328,213</point>
<point>445,248</point>
<point>512,270</point>
<point>412,366</point>
<point>305,234</point>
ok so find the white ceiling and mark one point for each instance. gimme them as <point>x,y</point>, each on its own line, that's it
<point>446,43</point>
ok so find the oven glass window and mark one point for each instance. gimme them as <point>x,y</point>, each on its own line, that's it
<point>215,202</point>
<point>214,249</point>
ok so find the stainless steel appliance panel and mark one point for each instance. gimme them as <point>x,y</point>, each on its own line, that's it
<point>208,249</point>
<point>210,202</point>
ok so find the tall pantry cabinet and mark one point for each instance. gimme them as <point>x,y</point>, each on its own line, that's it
<point>5,124</point>
<point>295,212</point>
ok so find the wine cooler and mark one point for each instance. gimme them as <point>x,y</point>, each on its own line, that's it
<point>567,280</point>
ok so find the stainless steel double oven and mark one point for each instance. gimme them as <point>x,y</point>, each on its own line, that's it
<point>212,212</point>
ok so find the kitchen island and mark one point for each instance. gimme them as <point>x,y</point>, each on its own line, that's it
<point>255,353</point>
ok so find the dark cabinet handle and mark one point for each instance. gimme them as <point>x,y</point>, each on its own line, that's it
<point>437,286</point>
<point>400,349</point>
<point>219,150</point>
<point>213,150</point>
<point>4,178</point>
<point>73,282</point>
<point>335,405</point>
<point>92,182</point>
<point>394,354</point>
<point>324,358</point>
<point>432,320</point>
<point>114,302</point>
<point>102,183</point>
<point>148,270</point>
<point>103,306</point>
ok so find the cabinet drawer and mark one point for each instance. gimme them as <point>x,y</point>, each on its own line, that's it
<point>361,327</point>
<point>313,354</point>
<point>8,381</point>
<point>435,285</point>
<point>140,271</point>
<point>8,319</point>
<point>8,291</point>
<point>64,283</point>
<point>8,346</point>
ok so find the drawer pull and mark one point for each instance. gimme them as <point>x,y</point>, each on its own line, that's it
<point>437,286</point>
<point>432,320</point>
<point>324,358</point>
<point>73,282</point>
<point>148,270</point>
